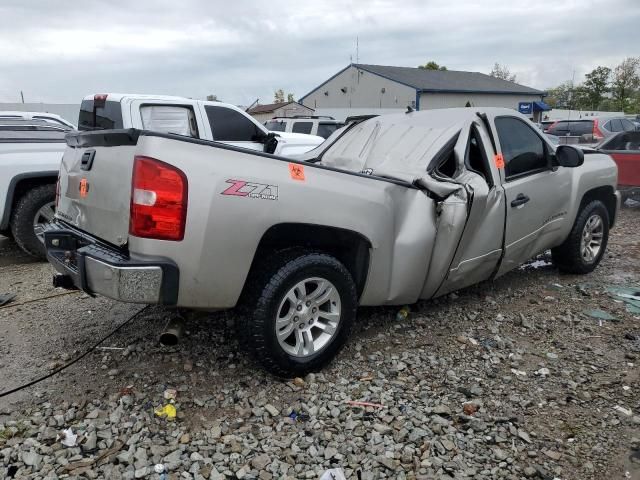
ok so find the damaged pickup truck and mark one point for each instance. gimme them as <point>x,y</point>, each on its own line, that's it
<point>387,211</point>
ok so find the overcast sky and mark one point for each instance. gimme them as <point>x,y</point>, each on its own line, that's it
<point>60,51</point>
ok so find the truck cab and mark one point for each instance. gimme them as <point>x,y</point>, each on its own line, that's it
<point>216,121</point>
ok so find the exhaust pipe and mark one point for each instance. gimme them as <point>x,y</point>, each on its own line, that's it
<point>172,331</point>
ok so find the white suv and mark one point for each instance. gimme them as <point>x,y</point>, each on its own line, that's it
<point>312,125</point>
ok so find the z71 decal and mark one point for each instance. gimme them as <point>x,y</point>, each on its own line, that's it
<point>242,188</point>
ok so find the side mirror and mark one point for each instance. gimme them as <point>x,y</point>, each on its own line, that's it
<point>569,156</point>
<point>270,142</point>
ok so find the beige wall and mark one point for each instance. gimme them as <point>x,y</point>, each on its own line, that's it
<point>362,90</point>
<point>430,101</point>
<point>286,111</point>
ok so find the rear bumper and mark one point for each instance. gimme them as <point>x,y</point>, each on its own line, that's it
<point>101,269</point>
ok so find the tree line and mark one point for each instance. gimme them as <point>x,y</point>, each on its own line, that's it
<point>603,89</point>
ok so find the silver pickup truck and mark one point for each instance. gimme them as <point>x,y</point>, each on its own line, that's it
<point>387,211</point>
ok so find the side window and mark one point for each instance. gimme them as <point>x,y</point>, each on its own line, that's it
<point>522,149</point>
<point>627,126</point>
<point>616,125</point>
<point>176,119</point>
<point>302,127</point>
<point>275,126</point>
<point>326,129</point>
<point>230,126</point>
<point>581,128</point>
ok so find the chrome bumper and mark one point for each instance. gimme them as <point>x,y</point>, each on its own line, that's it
<point>100,269</point>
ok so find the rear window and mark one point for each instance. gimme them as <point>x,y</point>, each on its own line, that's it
<point>104,117</point>
<point>275,126</point>
<point>326,129</point>
<point>25,134</point>
<point>176,119</point>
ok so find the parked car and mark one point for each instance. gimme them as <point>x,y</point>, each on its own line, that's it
<point>49,118</point>
<point>30,155</point>
<point>217,121</point>
<point>624,148</point>
<point>313,125</point>
<point>391,210</point>
<point>590,130</point>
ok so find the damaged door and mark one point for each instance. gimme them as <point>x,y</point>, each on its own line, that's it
<point>471,218</point>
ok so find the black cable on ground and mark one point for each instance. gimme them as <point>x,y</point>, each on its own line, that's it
<point>67,365</point>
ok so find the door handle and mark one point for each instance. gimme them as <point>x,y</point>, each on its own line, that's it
<point>521,199</point>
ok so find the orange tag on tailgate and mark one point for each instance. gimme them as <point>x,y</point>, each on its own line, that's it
<point>84,187</point>
<point>296,171</point>
<point>499,160</point>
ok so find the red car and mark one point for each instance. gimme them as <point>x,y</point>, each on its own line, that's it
<point>624,148</point>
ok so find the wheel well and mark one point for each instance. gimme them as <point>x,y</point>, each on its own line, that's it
<point>350,247</point>
<point>605,195</point>
<point>19,188</point>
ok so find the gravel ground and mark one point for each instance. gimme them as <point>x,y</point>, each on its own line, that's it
<point>508,379</point>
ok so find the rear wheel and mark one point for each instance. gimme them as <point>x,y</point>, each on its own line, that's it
<point>32,212</point>
<point>298,312</point>
<point>583,249</point>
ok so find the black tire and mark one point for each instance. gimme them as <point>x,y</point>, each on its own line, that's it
<point>267,288</point>
<point>568,257</point>
<point>23,215</point>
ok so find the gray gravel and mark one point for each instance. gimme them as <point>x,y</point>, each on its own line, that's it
<point>509,379</point>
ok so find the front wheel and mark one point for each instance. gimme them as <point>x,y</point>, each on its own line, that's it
<point>298,312</point>
<point>583,249</point>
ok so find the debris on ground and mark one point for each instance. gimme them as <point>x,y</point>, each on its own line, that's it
<point>6,298</point>
<point>333,474</point>
<point>168,411</point>
<point>68,438</point>
<point>600,314</point>
<point>629,295</point>
<point>403,313</point>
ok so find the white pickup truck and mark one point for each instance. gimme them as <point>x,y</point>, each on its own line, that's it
<point>30,153</point>
<point>217,121</point>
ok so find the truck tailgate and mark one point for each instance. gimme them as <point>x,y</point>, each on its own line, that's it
<point>95,184</point>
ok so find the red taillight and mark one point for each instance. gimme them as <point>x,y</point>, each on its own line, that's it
<point>597,133</point>
<point>99,100</point>
<point>158,200</point>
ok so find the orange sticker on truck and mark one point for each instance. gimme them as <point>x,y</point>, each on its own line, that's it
<point>84,187</point>
<point>296,171</point>
<point>499,160</point>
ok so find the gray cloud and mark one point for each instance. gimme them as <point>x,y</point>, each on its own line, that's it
<point>63,50</point>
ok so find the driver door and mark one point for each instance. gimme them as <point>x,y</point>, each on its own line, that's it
<point>537,193</point>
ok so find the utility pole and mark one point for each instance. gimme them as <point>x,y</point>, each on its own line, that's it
<point>357,51</point>
<point>22,96</point>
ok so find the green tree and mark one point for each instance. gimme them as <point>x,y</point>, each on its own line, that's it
<point>625,83</point>
<point>596,84</point>
<point>431,65</point>
<point>278,96</point>
<point>502,72</point>
<point>290,97</point>
<point>560,96</point>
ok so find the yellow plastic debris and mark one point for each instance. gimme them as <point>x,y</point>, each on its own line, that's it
<point>168,411</point>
